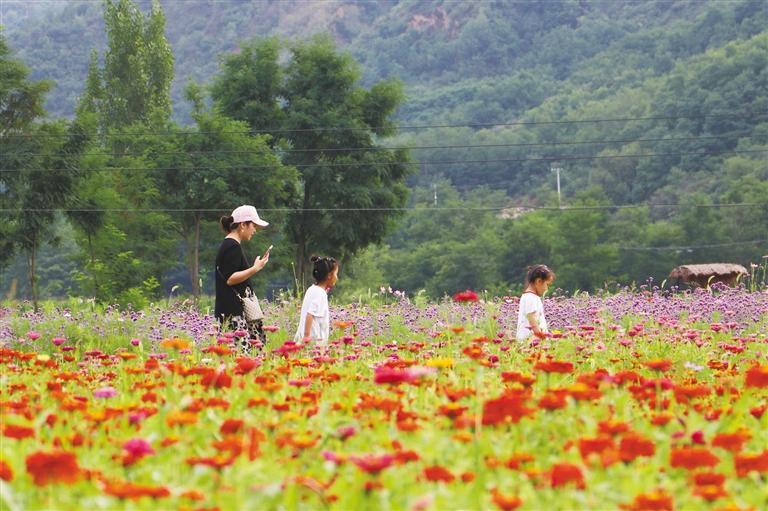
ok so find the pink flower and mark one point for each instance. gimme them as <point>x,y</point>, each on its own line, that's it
<point>33,336</point>
<point>138,447</point>
<point>58,341</point>
<point>135,342</point>
<point>345,432</point>
<point>105,392</point>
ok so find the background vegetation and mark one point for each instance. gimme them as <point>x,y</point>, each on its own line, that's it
<point>500,93</point>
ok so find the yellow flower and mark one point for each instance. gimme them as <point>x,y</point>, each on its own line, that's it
<point>440,362</point>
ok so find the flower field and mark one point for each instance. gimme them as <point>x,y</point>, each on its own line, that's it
<point>637,401</point>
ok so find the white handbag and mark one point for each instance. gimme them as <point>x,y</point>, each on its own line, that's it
<point>251,308</point>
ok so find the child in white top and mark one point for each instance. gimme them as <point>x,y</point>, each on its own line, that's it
<point>530,318</point>
<point>315,321</point>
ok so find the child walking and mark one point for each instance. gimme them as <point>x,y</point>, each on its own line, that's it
<point>315,321</point>
<point>530,318</point>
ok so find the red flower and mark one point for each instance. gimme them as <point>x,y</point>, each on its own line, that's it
<point>692,458</point>
<point>596,445</point>
<point>757,376</point>
<point>231,426</point>
<point>745,463</point>
<point>658,364</point>
<point>217,378</point>
<point>436,473</point>
<point>6,474</point>
<point>505,502</point>
<point>731,441</point>
<point>371,463</point>
<point>505,408</point>
<point>53,467</point>
<point>465,296</point>
<point>565,473</point>
<point>17,432</point>
<point>554,366</point>
<point>633,446</point>
<point>245,365</point>
<point>708,479</point>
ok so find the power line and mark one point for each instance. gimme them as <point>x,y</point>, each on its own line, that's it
<point>445,208</point>
<point>694,247</point>
<point>434,162</point>
<point>395,148</point>
<point>412,127</point>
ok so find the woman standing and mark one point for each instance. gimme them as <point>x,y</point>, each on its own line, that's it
<point>233,273</point>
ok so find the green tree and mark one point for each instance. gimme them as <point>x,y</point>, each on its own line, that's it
<point>138,66</point>
<point>330,128</point>
<point>218,167</point>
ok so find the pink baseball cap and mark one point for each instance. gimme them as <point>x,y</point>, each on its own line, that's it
<point>247,214</point>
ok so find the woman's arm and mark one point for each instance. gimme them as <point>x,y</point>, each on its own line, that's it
<point>243,275</point>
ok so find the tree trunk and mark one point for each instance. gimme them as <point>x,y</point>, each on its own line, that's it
<point>93,264</point>
<point>32,271</point>
<point>301,246</point>
<point>196,261</point>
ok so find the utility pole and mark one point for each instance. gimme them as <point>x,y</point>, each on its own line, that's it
<point>434,190</point>
<point>557,170</point>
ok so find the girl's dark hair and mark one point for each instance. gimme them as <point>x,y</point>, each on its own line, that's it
<point>539,271</point>
<point>228,223</point>
<point>322,267</point>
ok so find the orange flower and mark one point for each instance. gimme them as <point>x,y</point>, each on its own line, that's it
<point>126,490</point>
<point>565,473</point>
<point>17,432</point>
<point>436,473</point>
<point>217,378</point>
<point>692,458</point>
<point>732,442</point>
<point>175,344</point>
<point>505,502</point>
<point>553,401</point>
<point>633,446</point>
<point>523,379</point>
<point>745,463</point>
<point>217,462</point>
<point>654,501</point>
<point>53,467</point>
<point>757,376</point>
<point>6,474</point>
<point>612,427</point>
<point>710,492</point>
<point>554,366</point>
<point>175,418</point>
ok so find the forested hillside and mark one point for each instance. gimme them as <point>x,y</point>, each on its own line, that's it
<point>656,114</point>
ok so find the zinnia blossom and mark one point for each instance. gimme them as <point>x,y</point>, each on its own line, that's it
<point>692,458</point>
<point>745,463</point>
<point>17,432</point>
<point>732,442</point>
<point>565,473</point>
<point>554,366</point>
<point>654,501</point>
<point>505,502</point>
<point>633,446</point>
<point>53,467</point>
<point>465,296</point>
<point>130,491</point>
<point>105,392</point>
<point>6,474</point>
<point>436,473</point>
<point>503,409</point>
<point>757,376</point>
<point>371,463</point>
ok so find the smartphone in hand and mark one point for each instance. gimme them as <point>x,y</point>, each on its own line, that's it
<point>266,253</point>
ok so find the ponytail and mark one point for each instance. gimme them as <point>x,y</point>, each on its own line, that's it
<point>322,267</point>
<point>227,223</point>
